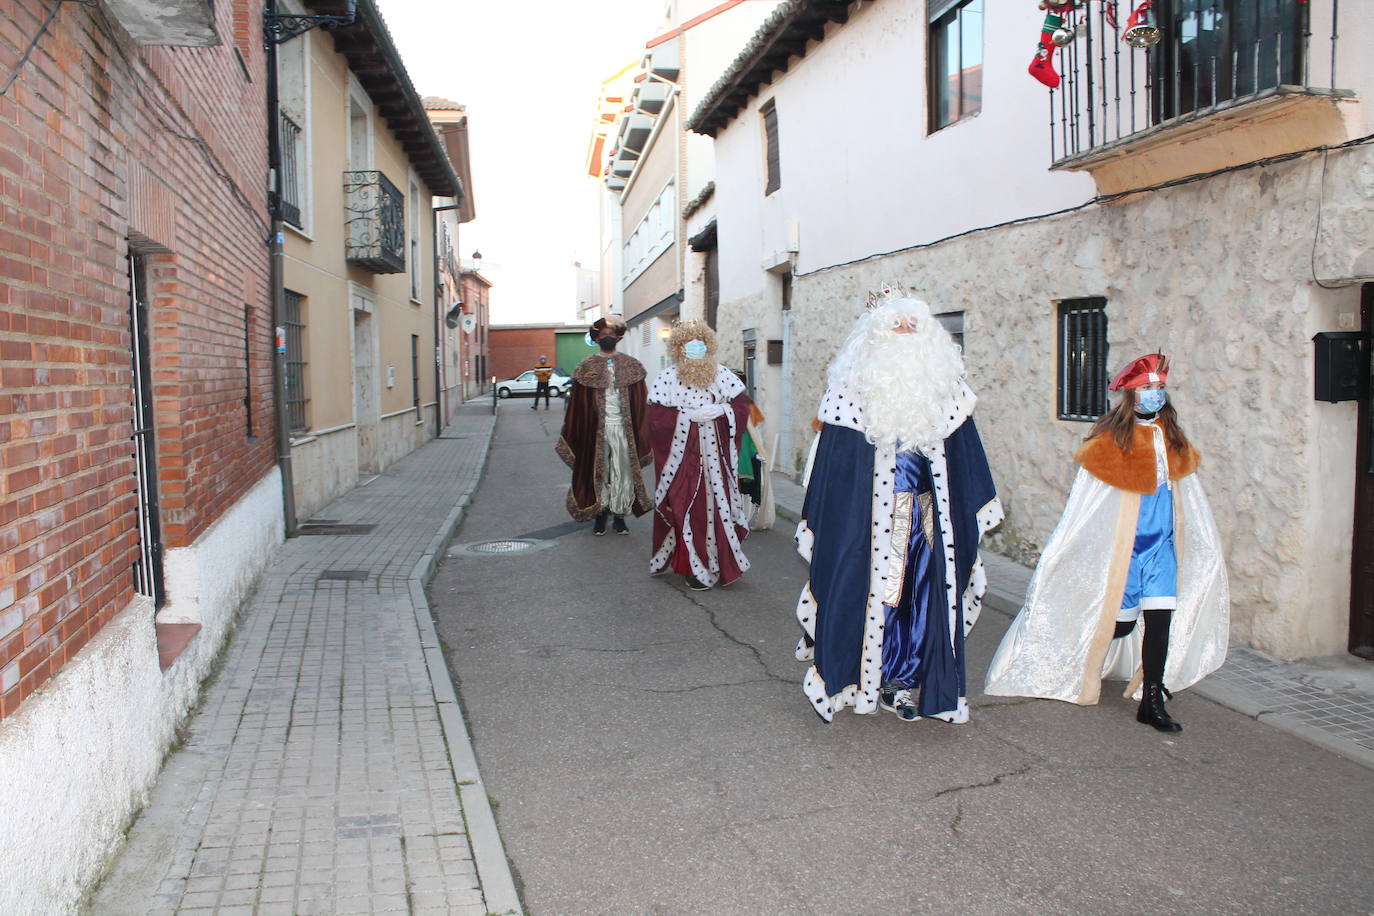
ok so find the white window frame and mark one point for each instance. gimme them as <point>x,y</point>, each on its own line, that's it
<point>653,235</point>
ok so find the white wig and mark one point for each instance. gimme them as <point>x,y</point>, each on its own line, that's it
<point>905,383</point>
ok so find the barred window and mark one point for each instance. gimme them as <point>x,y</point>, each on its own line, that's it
<point>295,362</point>
<point>1082,358</point>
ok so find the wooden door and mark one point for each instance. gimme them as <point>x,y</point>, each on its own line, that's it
<point>1362,563</point>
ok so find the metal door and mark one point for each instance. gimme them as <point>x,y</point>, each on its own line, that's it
<point>148,567</point>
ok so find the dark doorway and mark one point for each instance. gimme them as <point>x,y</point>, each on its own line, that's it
<point>1362,561</point>
<point>148,567</point>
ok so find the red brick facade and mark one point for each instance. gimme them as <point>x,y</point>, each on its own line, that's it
<point>104,147</point>
<point>513,350</point>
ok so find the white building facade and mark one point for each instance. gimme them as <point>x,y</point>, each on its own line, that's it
<point>850,154</point>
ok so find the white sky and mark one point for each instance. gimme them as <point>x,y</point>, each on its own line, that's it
<point>528,73</point>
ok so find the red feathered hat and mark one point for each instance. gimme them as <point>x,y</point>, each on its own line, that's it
<point>1152,367</point>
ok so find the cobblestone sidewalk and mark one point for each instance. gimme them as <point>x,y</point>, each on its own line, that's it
<point>1327,701</point>
<point>328,769</point>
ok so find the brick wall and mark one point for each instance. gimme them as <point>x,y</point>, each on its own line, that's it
<point>513,350</point>
<point>102,142</point>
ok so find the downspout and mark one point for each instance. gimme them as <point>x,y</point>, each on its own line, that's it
<point>439,318</point>
<point>277,282</point>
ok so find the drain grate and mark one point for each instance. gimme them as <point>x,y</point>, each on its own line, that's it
<point>347,575</point>
<point>335,529</point>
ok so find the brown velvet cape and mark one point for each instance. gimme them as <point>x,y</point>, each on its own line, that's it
<point>582,444</point>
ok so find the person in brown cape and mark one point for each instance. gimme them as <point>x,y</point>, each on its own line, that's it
<point>605,436</point>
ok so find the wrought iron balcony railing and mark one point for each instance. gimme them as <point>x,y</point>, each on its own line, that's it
<point>291,157</point>
<point>1211,55</point>
<point>374,223</point>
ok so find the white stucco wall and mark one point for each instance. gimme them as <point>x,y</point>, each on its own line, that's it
<point>82,753</point>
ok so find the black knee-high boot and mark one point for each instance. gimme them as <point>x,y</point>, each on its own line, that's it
<point>1156,652</point>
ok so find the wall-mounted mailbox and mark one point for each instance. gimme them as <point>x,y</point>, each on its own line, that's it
<point>1341,363</point>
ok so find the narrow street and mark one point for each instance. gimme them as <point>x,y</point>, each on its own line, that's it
<point>647,749</point>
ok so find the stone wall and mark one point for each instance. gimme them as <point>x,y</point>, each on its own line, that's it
<point>1219,275</point>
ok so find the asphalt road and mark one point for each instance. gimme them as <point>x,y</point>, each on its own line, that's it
<point>648,749</point>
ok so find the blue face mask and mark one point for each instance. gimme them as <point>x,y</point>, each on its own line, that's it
<point>695,349</point>
<point>1150,400</point>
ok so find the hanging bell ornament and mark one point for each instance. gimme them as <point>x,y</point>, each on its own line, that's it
<point>1062,36</point>
<point>1141,29</point>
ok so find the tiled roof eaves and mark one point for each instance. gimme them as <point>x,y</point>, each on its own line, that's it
<point>372,55</point>
<point>784,34</point>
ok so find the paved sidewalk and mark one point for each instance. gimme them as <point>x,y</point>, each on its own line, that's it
<point>1326,701</point>
<point>328,769</point>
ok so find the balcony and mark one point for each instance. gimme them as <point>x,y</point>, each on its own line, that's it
<point>1229,81</point>
<point>374,223</point>
<point>185,23</point>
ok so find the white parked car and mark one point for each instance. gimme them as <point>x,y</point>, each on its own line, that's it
<point>523,385</point>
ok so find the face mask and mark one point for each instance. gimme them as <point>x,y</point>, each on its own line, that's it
<point>695,349</point>
<point>1149,401</point>
<point>607,344</point>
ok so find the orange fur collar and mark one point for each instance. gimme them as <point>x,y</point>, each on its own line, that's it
<point>1133,470</point>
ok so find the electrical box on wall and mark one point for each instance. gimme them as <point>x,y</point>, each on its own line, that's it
<point>775,352</point>
<point>391,376</point>
<point>1341,366</point>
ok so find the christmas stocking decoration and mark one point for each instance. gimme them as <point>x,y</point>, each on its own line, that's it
<point>1042,67</point>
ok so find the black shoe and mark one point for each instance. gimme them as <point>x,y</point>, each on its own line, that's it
<point>534,407</point>
<point>619,525</point>
<point>1152,711</point>
<point>697,585</point>
<point>599,526</point>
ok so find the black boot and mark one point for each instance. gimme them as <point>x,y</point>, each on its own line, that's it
<point>599,526</point>
<point>1152,711</point>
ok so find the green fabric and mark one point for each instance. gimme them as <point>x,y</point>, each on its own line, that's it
<point>747,451</point>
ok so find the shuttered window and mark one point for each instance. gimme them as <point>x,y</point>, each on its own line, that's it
<point>1082,358</point>
<point>770,147</point>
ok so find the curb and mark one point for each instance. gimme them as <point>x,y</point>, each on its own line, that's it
<point>488,852</point>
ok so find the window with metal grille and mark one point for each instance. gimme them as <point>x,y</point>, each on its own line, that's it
<point>770,147</point>
<point>295,361</point>
<point>1082,358</point>
<point>248,368</point>
<point>956,60</point>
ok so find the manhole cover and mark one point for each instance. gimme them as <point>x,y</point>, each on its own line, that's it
<point>498,548</point>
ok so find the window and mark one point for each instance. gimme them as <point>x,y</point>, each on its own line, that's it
<point>1082,358</point>
<point>751,354</point>
<point>654,234</point>
<point>293,78</point>
<point>956,60</point>
<point>1217,50</point>
<point>415,374</point>
<point>295,362</point>
<point>770,147</point>
<point>414,241</point>
<point>954,323</point>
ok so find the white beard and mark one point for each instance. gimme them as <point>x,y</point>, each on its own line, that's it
<point>905,384</point>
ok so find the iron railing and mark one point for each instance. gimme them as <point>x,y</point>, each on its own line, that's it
<point>291,158</point>
<point>375,227</point>
<point>1082,358</point>
<point>1213,54</point>
<point>147,569</point>
<point>296,399</point>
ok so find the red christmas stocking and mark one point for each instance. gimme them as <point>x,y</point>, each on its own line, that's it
<point>1042,67</point>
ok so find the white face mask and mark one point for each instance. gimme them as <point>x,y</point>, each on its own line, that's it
<point>695,349</point>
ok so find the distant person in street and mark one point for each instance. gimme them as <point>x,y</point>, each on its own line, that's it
<point>1137,540</point>
<point>698,418</point>
<point>605,436</point>
<point>542,373</point>
<point>754,481</point>
<point>898,496</point>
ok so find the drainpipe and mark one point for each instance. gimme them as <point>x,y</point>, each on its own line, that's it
<point>439,318</point>
<point>278,287</point>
